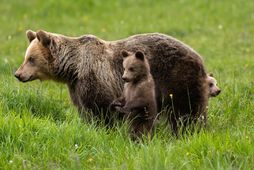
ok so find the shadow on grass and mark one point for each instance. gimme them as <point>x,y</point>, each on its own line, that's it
<point>35,103</point>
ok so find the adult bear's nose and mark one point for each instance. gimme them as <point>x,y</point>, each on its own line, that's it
<point>17,75</point>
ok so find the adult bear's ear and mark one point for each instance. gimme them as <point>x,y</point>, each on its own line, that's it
<point>125,54</point>
<point>31,35</point>
<point>49,41</point>
<point>139,55</point>
<point>43,37</point>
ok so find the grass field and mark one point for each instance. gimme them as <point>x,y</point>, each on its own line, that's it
<point>40,129</point>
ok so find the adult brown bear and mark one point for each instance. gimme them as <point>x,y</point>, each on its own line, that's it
<point>92,70</point>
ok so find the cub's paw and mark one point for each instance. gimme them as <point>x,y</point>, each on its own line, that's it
<point>113,106</point>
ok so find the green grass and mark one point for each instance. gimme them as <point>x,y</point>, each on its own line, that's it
<point>40,129</point>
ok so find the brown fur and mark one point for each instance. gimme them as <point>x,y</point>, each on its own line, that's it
<point>92,70</point>
<point>138,103</point>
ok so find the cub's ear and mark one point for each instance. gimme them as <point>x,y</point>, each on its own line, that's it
<point>43,37</point>
<point>125,54</point>
<point>31,35</point>
<point>139,55</point>
<point>210,74</point>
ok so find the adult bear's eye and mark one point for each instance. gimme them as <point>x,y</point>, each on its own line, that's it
<point>31,60</point>
<point>210,84</point>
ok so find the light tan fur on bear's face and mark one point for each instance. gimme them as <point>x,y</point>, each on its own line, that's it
<point>214,90</point>
<point>135,67</point>
<point>35,65</point>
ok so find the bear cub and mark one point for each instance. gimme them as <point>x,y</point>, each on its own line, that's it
<point>138,103</point>
<point>214,90</point>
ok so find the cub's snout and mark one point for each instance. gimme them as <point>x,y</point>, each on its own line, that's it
<point>125,79</point>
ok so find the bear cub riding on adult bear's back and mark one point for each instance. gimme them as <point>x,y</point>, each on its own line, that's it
<point>92,70</point>
<point>138,103</point>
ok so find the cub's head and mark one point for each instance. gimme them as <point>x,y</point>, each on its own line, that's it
<point>38,57</point>
<point>214,90</point>
<point>135,66</point>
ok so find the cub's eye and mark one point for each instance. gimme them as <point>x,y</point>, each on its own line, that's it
<point>210,84</point>
<point>131,69</point>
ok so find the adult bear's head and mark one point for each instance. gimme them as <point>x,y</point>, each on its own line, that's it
<point>43,57</point>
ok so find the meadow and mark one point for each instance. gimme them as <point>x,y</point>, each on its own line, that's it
<point>41,129</point>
